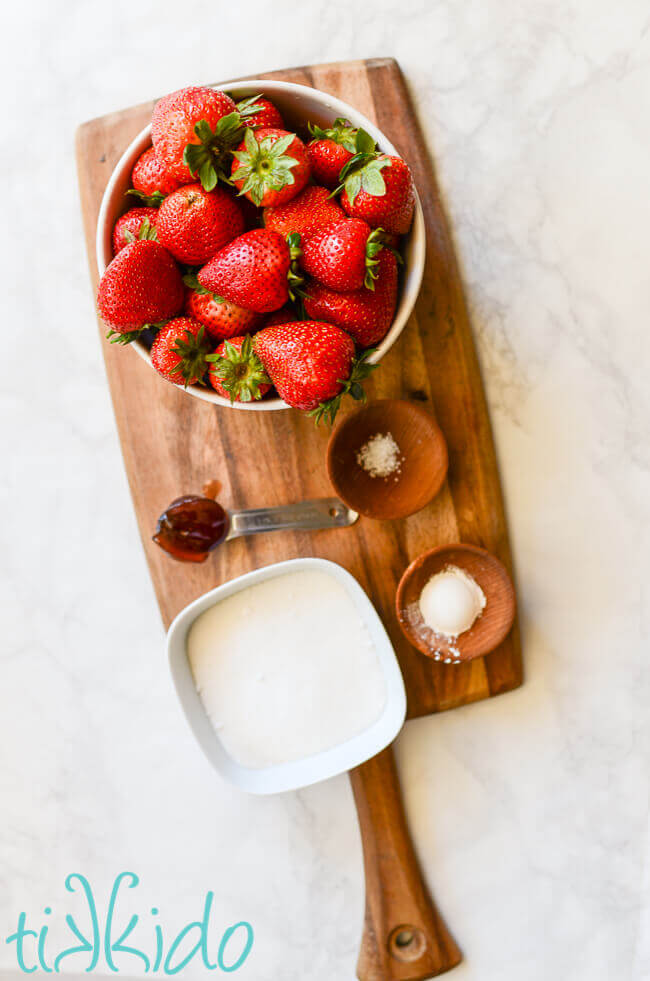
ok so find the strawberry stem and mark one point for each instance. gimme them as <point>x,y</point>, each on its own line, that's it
<point>239,371</point>
<point>360,370</point>
<point>341,132</point>
<point>210,157</point>
<point>192,354</point>
<point>264,165</point>
<point>363,171</point>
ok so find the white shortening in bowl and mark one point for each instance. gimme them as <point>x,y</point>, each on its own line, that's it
<point>301,769</point>
<point>296,103</point>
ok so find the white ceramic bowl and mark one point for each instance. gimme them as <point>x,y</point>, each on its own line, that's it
<point>309,769</point>
<point>297,103</point>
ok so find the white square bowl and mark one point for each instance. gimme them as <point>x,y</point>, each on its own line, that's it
<point>309,769</point>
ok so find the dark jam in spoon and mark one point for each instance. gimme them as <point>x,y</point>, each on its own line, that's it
<point>191,527</point>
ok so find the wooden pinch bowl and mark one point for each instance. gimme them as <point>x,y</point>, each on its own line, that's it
<point>423,459</point>
<point>490,628</point>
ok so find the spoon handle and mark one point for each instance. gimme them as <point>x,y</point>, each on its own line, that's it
<point>325,512</point>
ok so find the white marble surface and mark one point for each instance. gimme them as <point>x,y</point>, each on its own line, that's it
<point>531,812</point>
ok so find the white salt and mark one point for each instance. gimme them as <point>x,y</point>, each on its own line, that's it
<point>380,456</point>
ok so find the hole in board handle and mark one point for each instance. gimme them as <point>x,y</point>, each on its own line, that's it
<point>407,943</point>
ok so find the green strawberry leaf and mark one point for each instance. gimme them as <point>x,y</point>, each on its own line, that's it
<point>192,354</point>
<point>248,108</point>
<point>132,335</point>
<point>359,371</point>
<point>374,245</point>
<point>210,157</point>
<point>367,177</point>
<point>241,372</point>
<point>148,232</point>
<point>264,165</point>
<point>278,147</point>
<point>208,175</point>
<point>364,142</point>
<point>353,186</point>
<point>371,180</point>
<point>149,200</point>
<point>190,279</point>
<point>252,146</point>
<point>341,132</point>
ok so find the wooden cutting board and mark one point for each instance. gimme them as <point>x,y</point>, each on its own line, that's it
<point>172,443</point>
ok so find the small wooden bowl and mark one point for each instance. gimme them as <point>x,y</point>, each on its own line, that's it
<point>488,630</point>
<point>423,463</point>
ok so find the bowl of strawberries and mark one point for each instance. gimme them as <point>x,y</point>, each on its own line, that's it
<point>260,245</point>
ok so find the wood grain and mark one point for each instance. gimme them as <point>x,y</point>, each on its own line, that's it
<point>405,938</point>
<point>173,443</point>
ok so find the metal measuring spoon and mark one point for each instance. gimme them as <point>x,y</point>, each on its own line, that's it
<point>192,525</point>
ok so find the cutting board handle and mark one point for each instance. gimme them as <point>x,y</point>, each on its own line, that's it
<point>404,938</point>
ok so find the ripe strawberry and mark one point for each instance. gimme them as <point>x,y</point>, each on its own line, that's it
<point>260,111</point>
<point>270,166</point>
<point>194,224</point>
<point>330,151</point>
<point>180,350</point>
<point>151,181</point>
<point>366,315</point>
<point>378,188</point>
<point>343,255</point>
<point>137,223</point>
<point>257,271</point>
<point>236,372</point>
<point>312,365</point>
<point>309,210</point>
<point>220,317</point>
<point>141,286</point>
<point>193,131</point>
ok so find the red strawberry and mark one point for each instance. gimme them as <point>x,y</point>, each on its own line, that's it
<point>254,270</point>
<point>260,111</point>
<point>365,315</point>
<point>142,285</point>
<point>150,179</point>
<point>135,223</point>
<point>220,317</point>
<point>180,350</point>
<point>236,372</point>
<point>309,210</point>
<point>312,365</point>
<point>378,188</point>
<point>330,151</point>
<point>343,255</point>
<point>270,166</point>
<point>192,131</point>
<point>194,224</point>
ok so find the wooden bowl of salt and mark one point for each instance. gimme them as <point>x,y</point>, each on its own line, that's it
<point>387,459</point>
